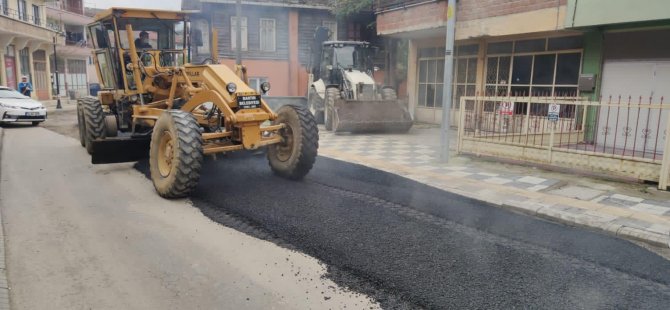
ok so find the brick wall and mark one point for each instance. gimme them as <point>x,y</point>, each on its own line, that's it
<point>424,16</point>
<point>476,9</point>
<point>434,14</point>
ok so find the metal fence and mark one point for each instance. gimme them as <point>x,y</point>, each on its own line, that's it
<point>625,128</point>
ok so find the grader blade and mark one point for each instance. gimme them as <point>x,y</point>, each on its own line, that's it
<point>371,116</point>
<point>119,150</point>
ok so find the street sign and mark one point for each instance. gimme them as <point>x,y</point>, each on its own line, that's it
<point>554,111</point>
<point>506,108</point>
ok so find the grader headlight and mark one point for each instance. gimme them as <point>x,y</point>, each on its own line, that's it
<point>231,88</point>
<point>265,87</point>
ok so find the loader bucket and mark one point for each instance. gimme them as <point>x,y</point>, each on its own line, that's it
<point>120,150</point>
<point>371,116</point>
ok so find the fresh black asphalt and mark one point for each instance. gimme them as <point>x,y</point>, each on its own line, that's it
<point>413,246</point>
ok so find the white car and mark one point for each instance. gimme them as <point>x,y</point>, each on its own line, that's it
<point>15,107</point>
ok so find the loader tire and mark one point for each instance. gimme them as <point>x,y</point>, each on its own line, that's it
<point>389,94</point>
<point>332,95</point>
<point>176,154</point>
<point>81,123</point>
<point>315,102</point>
<point>294,157</point>
<point>94,120</point>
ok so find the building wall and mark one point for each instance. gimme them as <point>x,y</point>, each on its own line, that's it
<point>478,9</point>
<point>420,17</point>
<point>474,18</point>
<point>308,21</point>
<point>606,12</point>
<point>221,18</point>
<point>23,32</point>
<point>286,67</point>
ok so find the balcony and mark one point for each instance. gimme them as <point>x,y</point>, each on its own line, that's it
<point>68,12</point>
<point>20,24</point>
<point>21,16</point>
<point>75,7</point>
<point>73,44</point>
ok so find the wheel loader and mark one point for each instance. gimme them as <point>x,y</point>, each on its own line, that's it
<point>154,103</point>
<point>344,95</point>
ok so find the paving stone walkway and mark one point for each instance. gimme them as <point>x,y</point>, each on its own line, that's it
<point>537,193</point>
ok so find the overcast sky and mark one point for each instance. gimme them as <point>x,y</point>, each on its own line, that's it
<point>153,4</point>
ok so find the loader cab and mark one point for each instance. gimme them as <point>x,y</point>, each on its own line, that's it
<point>344,55</point>
<point>114,35</point>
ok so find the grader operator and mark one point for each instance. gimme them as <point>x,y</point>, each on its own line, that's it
<point>154,103</point>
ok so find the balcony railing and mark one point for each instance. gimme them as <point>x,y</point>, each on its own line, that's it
<point>22,16</point>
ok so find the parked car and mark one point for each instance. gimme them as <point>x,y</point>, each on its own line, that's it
<point>15,107</point>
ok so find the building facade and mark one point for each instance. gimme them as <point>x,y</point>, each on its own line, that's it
<point>75,68</point>
<point>538,48</point>
<point>276,37</point>
<point>512,47</point>
<point>626,46</point>
<point>26,42</point>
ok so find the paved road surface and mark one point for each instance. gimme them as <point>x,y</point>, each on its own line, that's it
<point>430,248</point>
<point>406,244</point>
<point>84,237</point>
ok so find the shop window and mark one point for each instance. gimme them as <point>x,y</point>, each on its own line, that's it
<point>530,46</point>
<point>500,48</point>
<point>521,70</point>
<point>565,43</point>
<point>467,50</point>
<point>534,74</point>
<point>567,68</point>
<point>431,80</point>
<point>431,75</point>
<point>543,69</point>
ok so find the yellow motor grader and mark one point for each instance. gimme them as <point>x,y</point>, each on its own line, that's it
<point>154,103</point>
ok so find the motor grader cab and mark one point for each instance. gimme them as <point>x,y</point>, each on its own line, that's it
<point>344,95</point>
<point>154,103</point>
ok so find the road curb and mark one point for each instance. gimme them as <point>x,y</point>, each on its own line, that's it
<point>596,221</point>
<point>4,285</point>
<point>622,231</point>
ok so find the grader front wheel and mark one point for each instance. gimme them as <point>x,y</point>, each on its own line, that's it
<point>93,124</point>
<point>294,157</point>
<point>175,156</point>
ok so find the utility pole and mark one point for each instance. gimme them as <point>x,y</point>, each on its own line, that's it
<point>58,105</point>
<point>238,33</point>
<point>448,79</point>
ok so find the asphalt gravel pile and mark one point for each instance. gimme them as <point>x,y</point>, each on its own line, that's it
<point>410,245</point>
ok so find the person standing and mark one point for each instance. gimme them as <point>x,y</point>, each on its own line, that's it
<point>25,87</point>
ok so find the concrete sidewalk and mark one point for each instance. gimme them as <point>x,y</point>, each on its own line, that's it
<point>66,105</point>
<point>630,210</point>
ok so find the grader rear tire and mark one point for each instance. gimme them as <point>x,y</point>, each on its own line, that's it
<point>294,158</point>
<point>94,119</point>
<point>81,123</point>
<point>332,95</point>
<point>175,155</point>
